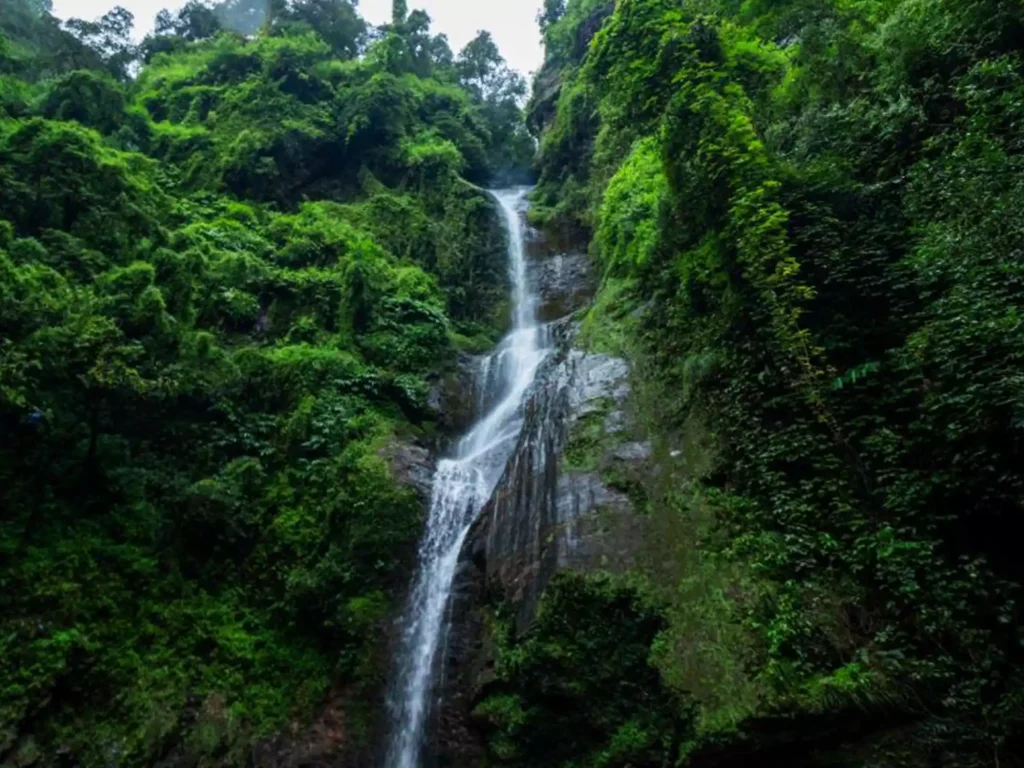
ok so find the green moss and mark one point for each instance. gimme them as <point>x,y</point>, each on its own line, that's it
<point>224,287</point>
<point>754,202</point>
<point>578,688</point>
<point>588,439</point>
<point>606,327</point>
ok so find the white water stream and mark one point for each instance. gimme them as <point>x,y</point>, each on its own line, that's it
<point>462,485</point>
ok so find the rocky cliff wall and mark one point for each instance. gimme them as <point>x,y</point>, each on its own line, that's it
<point>564,501</point>
<point>569,499</point>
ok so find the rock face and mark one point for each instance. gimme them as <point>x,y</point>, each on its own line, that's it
<point>547,85</point>
<point>412,465</point>
<point>563,283</point>
<point>451,395</point>
<point>568,500</point>
<point>453,399</point>
<point>563,502</point>
<point>561,276</point>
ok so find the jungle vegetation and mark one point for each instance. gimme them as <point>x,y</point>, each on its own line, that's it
<point>807,219</point>
<point>233,258</point>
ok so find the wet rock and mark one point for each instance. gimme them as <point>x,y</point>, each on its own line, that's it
<point>558,505</point>
<point>451,395</point>
<point>455,741</point>
<point>633,452</point>
<point>564,283</point>
<point>411,464</point>
<point>566,501</point>
<point>547,87</point>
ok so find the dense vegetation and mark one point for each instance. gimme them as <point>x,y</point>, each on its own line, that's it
<point>234,258</point>
<point>231,261</point>
<point>807,217</point>
<point>578,689</point>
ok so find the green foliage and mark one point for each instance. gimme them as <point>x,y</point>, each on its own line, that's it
<point>283,116</point>
<point>805,216</point>
<point>224,285</point>
<point>38,46</point>
<point>90,98</point>
<point>629,235</point>
<point>578,689</point>
<point>58,176</point>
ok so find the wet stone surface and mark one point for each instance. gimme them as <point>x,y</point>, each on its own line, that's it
<point>451,395</point>
<point>561,277</point>
<point>561,504</point>
<point>413,465</point>
<point>564,284</point>
<point>557,506</point>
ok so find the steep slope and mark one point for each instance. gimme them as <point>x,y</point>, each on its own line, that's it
<point>805,219</point>
<point>229,290</point>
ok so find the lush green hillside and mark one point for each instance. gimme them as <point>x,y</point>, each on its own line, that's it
<point>234,258</point>
<point>808,218</point>
<point>226,281</point>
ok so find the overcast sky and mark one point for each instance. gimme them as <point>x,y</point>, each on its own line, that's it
<point>512,22</point>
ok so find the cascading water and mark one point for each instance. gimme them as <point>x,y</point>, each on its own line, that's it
<point>462,485</point>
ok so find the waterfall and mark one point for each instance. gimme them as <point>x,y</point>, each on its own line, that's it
<point>462,485</point>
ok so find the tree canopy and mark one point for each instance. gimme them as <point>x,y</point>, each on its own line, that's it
<point>806,217</point>
<point>233,261</point>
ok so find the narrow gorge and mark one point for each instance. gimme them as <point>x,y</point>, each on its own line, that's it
<point>365,403</point>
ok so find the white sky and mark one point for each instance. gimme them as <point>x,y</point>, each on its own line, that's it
<point>512,22</point>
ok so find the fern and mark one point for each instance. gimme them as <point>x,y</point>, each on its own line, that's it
<point>855,374</point>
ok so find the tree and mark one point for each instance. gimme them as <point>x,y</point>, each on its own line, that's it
<point>195,21</point>
<point>440,52</point>
<point>39,46</point>
<point>91,98</point>
<point>399,12</point>
<point>478,62</point>
<point>335,21</point>
<point>109,37</point>
<point>419,42</point>
<point>500,91</point>
<point>483,71</point>
<point>551,13</point>
<point>244,17</point>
